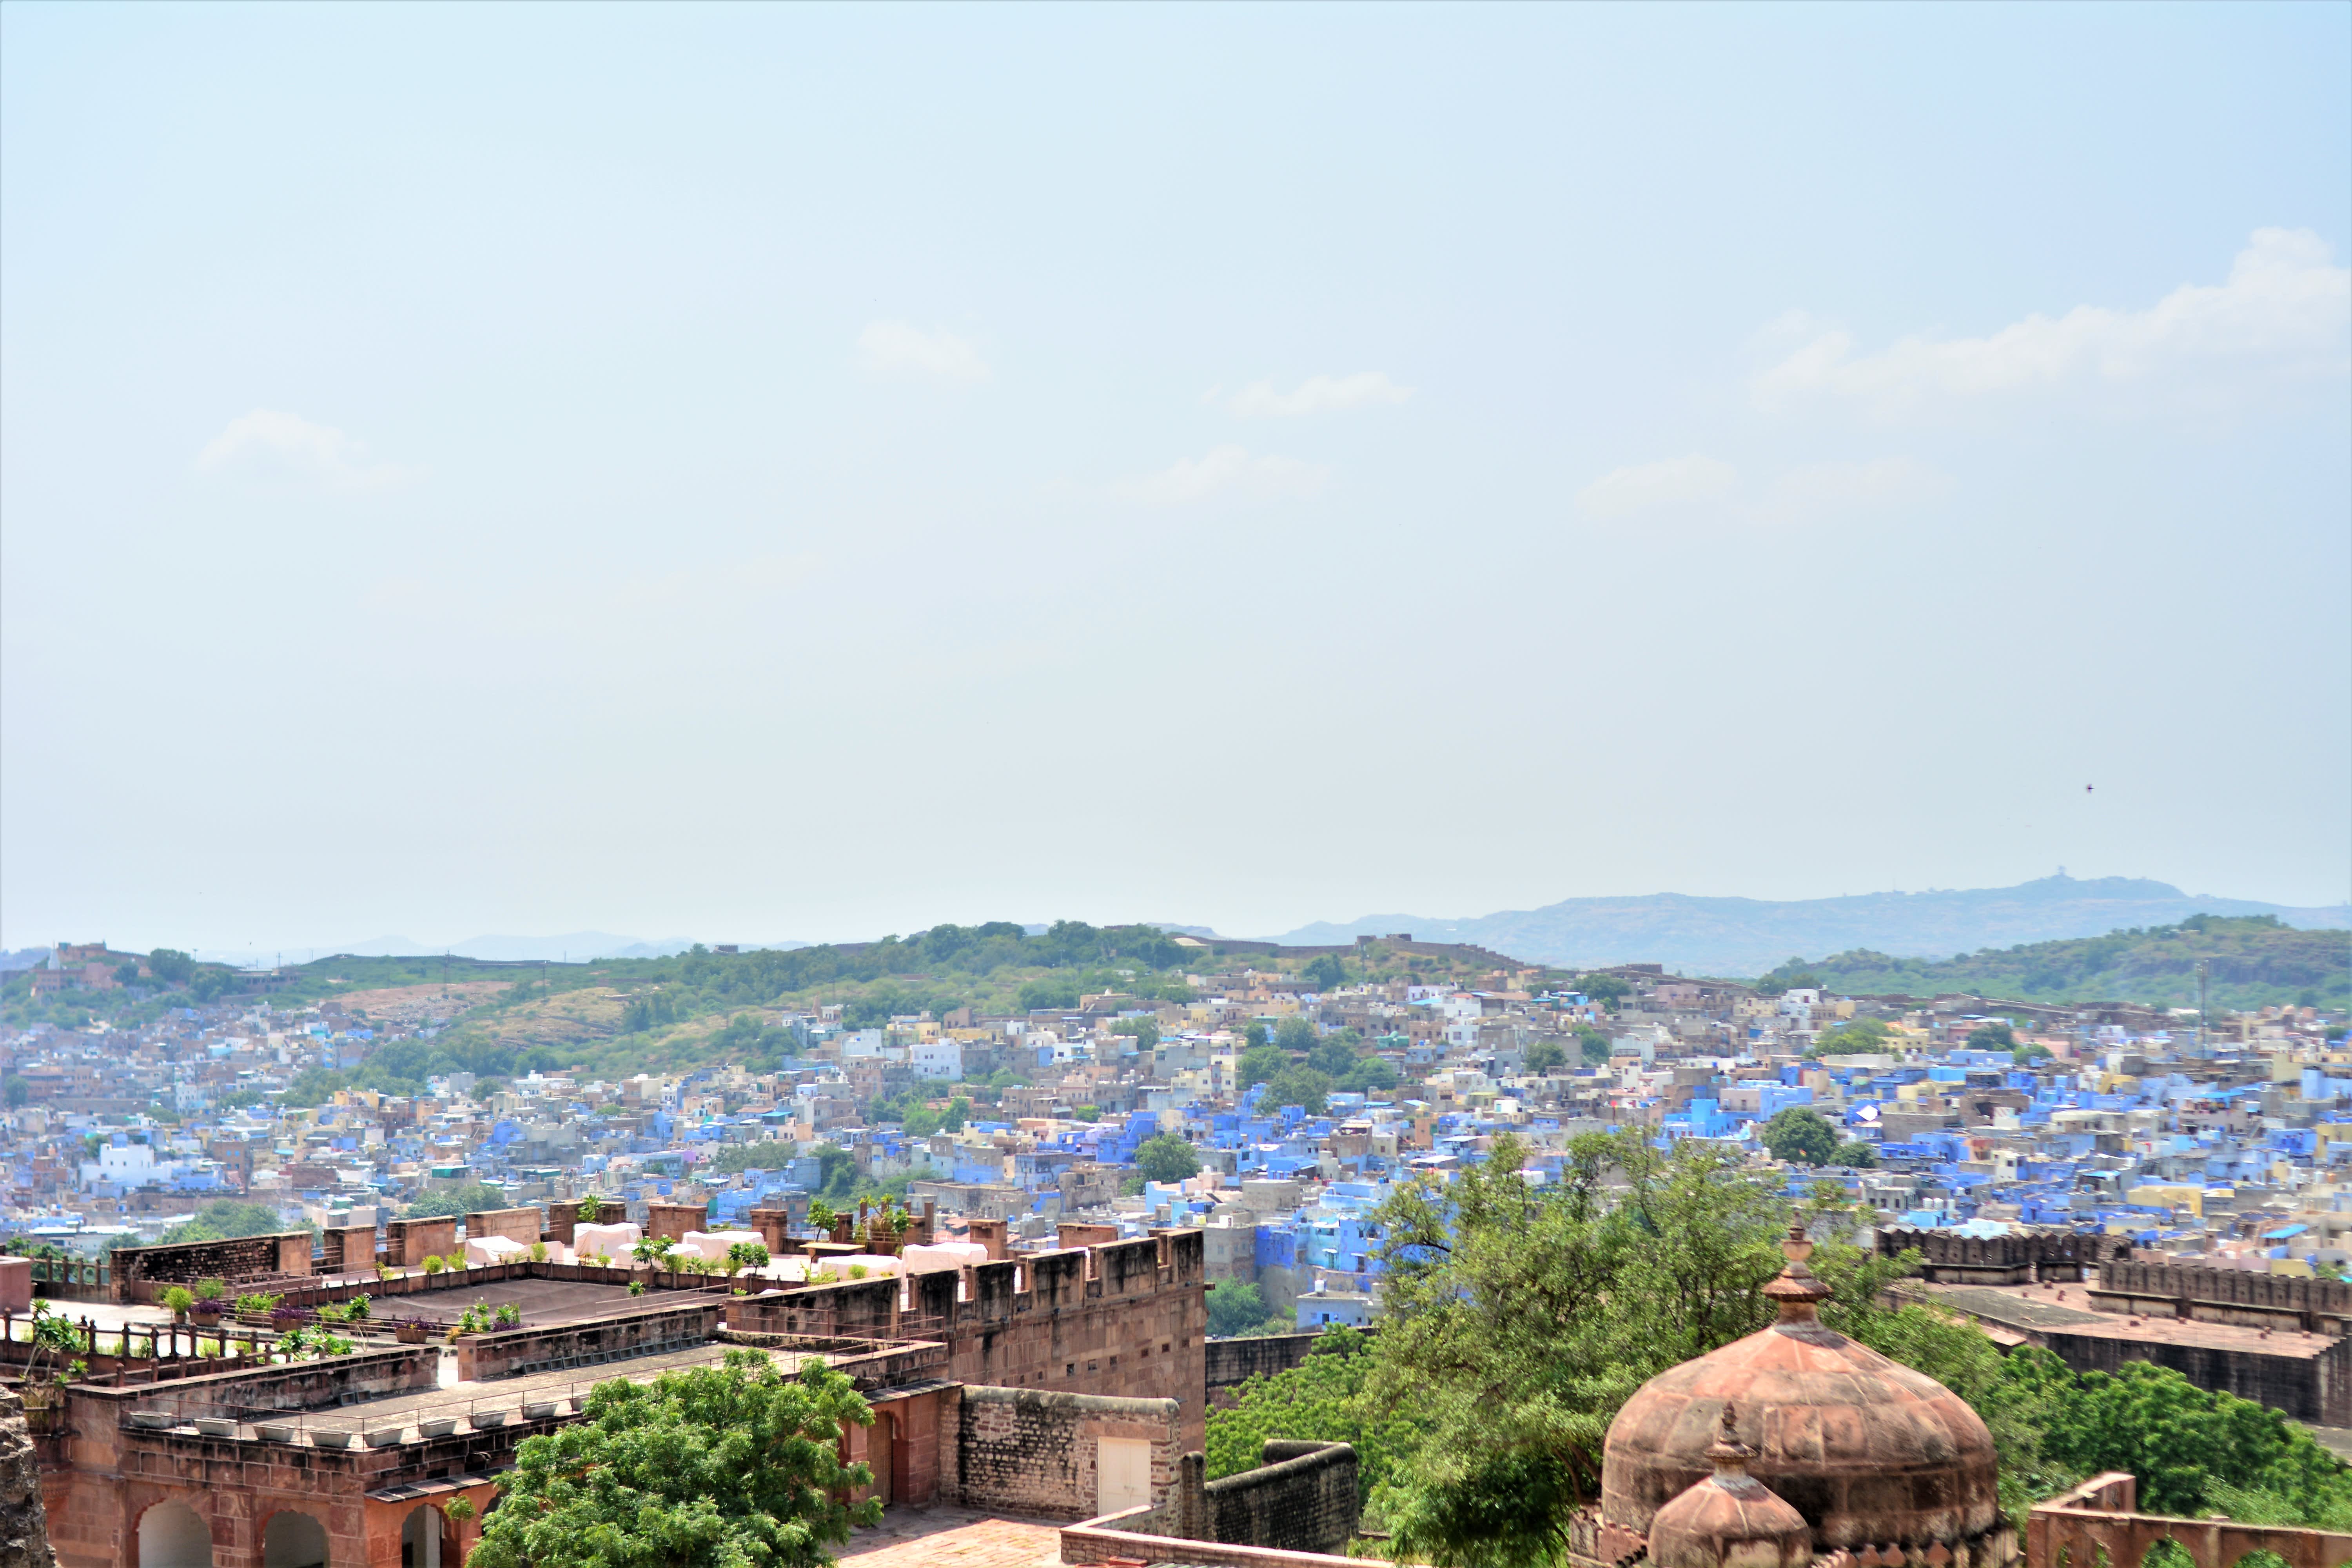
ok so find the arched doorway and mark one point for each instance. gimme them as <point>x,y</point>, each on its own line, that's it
<point>293,1539</point>
<point>428,1540</point>
<point>173,1535</point>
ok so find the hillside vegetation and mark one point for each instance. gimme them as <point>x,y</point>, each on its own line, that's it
<point>619,1016</point>
<point>2255,962</point>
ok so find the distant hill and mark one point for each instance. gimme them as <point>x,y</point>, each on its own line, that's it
<point>2253,962</point>
<point>1749,936</point>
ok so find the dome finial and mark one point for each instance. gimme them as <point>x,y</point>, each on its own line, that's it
<point>1796,1289</point>
<point>1729,1454</point>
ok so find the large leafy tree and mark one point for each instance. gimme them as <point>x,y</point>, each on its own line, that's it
<point>1167,1158</point>
<point>2194,1450</point>
<point>1326,1398</point>
<point>1799,1135</point>
<point>726,1467</point>
<point>1520,1317</point>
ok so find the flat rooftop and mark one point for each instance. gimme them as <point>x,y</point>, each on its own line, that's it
<point>2033,1308</point>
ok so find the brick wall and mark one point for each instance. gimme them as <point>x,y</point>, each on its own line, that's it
<point>1228,1363</point>
<point>241,1258</point>
<point>347,1249</point>
<point>2306,1387</point>
<point>517,1352</point>
<point>564,1213</point>
<point>409,1242</point>
<point>1124,1321</point>
<point>516,1224</point>
<point>1024,1452</point>
<point>1302,1497</point>
<point>674,1220</point>
<point>2223,1296</point>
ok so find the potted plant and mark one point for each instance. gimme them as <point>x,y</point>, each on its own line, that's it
<point>210,1294</point>
<point>257,1306</point>
<point>510,1316</point>
<point>589,1209</point>
<point>179,1299</point>
<point>355,1311</point>
<point>411,1331</point>
<point>434,1265</point>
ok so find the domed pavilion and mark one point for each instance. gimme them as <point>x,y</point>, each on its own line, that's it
<point>1797,1445</point>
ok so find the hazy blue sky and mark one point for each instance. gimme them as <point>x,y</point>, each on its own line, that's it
<point>768,473</point>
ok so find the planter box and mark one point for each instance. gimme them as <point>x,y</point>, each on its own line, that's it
<point>411,1334</point>
<point>153,1420</point>
<point>383,1436</point>
<point>205,1319</point>
<point>540,1410</point>
<point>277,1431</point>
<point>440,1426</point>
<point>330,1438</point>
<point>488,1420</point>
<point>214,1426</point>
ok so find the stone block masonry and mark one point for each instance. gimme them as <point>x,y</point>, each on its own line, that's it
<point>1127,1320</point>
<point>141,1272</point>
<point>518,1353</point>
<point>2223,1296</point>
<point>1021,1452</point>
<point>1303,1496</point>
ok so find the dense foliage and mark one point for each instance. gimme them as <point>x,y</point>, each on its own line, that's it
<point>2255,962</point>
<point>1520,1317</point>
<point>1324,1399</point>
<point>727,1466</point>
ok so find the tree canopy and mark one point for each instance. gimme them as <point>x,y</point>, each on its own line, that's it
<point>725,1467</point>
<point>1799,1134</point>
<point>1168,1158</point>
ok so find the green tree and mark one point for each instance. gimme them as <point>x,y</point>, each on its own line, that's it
<point>224,1218</point>
<point>1996,1036</point>
<point>1260,1063</point>
<point>1253,1035</point>
<point>1370,1075</point>
<point>723,1467</point>
<point>1326,972</point>
<point>1592,1044</point>
<point>1799,1135</point>
<point>1295,1035</point>
<point>1325,1398</point>
<point>314,1086</point>
<point>1145,1030</point>
<point>1545,1055</point>
<point>1168,1158</point>
<point>958,1112</point>
<point>1608,990</point>
<point>171,966</point>
<point>1235,1305</point>
<point>1520,1318</point>
<point>1859,1155</point>
<point>1300,1086</point>
<point>1334,1053</point>
<point>2183,1443</point>
<point>17,1088</point>
<point>1856,1037</point>
<point>474,1197</point>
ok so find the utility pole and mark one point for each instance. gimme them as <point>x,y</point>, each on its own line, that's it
<point>2204,966</point>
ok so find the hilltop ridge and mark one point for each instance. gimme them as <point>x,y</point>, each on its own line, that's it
<point>1749,936</point>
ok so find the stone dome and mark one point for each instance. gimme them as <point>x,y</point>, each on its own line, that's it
<point>1868,1451</point>
<point>1731,1520</point>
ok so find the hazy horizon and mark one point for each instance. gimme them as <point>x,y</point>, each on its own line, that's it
<point>775,474</point>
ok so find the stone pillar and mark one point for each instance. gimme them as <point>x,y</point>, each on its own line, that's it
<point>1192,1496</point>
<point>672,1221</point>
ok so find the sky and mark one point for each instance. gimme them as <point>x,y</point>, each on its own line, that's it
<point>800,473</point>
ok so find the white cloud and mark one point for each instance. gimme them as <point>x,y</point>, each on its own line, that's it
<point>887,349</point>
<point>1224,471</point>
<point>1678,482</point>
<point>2286,310</point>
<point>270,440</point>
<point>1814,490</point>
<point>1316,393</point>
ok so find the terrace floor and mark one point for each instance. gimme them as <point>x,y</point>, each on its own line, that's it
<point>953,1538</point>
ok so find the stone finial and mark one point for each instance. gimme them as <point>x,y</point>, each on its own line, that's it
<point>1796,1290</point>
<point>1729,1454</point>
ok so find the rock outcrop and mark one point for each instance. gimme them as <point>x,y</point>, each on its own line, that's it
<point>24,1521</point>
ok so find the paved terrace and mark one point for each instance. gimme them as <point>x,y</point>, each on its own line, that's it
<point>561,1392</point>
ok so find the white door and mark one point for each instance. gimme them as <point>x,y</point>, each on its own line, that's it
<point>1122,1473</point>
